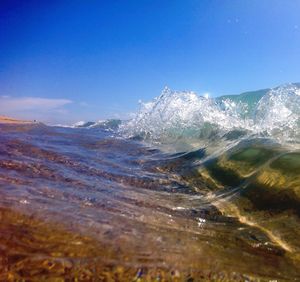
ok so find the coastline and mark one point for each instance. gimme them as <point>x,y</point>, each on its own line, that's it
<point>10,120</point>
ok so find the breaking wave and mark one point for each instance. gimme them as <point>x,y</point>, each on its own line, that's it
<point>185,115</point>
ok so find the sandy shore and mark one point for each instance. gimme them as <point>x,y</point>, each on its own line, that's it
<point>4,119</point>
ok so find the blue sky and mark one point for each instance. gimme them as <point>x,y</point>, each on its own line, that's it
<point>64,61</point>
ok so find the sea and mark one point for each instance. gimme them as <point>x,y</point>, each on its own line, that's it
<point>190,188</point>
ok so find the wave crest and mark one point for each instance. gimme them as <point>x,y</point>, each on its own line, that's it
<point>176,115</point>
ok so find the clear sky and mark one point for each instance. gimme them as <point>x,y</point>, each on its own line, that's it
<point>87,60</point>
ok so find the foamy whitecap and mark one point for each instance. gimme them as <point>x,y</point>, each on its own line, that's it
<point>278,113</point>
<point>186,115</point>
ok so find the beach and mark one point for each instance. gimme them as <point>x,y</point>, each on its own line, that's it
<point>10,120</point>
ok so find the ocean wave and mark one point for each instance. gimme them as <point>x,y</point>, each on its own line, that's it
<point>185,115</point>
<point>108,124</point>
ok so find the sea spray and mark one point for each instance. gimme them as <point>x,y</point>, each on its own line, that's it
<point>184,115</point>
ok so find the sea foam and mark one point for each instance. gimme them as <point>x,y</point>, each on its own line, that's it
<point>176,114</point>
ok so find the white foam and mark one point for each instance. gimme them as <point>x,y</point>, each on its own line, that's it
<point>185,114</point>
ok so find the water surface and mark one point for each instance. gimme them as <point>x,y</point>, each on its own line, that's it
<point>103,204</point>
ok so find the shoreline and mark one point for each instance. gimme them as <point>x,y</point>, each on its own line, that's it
<point>10,120</point>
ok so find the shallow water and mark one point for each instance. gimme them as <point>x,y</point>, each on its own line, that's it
<point>87,204</point>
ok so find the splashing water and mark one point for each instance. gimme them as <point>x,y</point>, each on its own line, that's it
<point>174,115</point>
<point>278,113</point>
